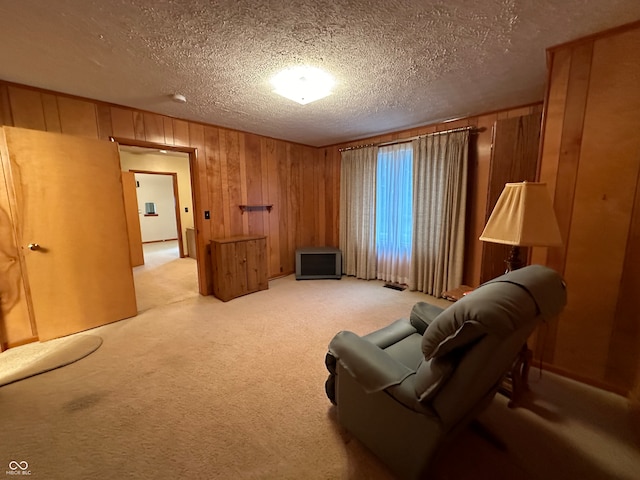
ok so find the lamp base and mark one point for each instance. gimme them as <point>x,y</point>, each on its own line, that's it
<point>517,381</point>
<point>514,262</point>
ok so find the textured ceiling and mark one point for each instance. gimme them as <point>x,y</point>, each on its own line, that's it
<point>398,64</point>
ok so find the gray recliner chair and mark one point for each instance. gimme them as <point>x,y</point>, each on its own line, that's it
<point>407,389</point>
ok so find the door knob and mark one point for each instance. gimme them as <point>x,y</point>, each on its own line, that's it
<point>33,246</point>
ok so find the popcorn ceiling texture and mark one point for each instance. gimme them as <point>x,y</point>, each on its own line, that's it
<point>397,64</point>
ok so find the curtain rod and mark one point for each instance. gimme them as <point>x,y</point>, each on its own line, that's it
<point>410,139</point>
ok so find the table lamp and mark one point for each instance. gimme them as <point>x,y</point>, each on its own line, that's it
<point>523,217</point>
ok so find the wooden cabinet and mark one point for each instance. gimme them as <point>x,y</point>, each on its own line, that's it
<point>239,266</point>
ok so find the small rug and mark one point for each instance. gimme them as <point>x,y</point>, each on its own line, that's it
<point>35,358</point>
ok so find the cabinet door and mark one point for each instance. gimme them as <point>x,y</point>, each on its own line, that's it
<point>256,265</point>
<point>224,269</point>
<point>240,285</point>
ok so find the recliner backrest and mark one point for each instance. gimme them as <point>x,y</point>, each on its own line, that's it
<point>481,334</point>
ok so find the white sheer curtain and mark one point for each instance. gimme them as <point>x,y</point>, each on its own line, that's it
<point>440,196</point>
<point>394,198</point>
<point>357,212</point>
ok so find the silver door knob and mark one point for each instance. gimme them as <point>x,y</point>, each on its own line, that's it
<point>33,246</point>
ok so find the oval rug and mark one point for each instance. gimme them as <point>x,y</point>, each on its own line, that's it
<point>35,358</point>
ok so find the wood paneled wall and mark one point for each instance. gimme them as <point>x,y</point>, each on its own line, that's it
<point>591,160</point>
<point>480,156</point>
<point>231,168</point>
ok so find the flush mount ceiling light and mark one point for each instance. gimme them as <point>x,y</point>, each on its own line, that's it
<point>303,84</point>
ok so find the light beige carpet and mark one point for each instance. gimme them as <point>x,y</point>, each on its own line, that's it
<point>36,358</point>
<point>165,277</point>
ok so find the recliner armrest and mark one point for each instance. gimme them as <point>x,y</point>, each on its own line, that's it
<point>371,366</point>
<point>422,314</point>
<point>391,334</point>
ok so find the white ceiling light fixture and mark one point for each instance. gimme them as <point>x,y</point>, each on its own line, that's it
<point>303,84</point>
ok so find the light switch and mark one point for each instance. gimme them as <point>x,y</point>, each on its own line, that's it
<point>207,216</point>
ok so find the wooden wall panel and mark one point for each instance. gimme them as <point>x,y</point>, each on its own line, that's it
<point>230,156</point>
<point>591,154</point>
<point>77,117</point>
<point>253,187</point>
<point>122,123</point>
<point>26,108</point>
<point>295,196</point>
<point>602,205</point>
<point>138,125</point>
<point>319,182</point>
<point>211,183</point>
<point>153,128</point>
<point>560,157</point>
<point>625,335</point>
<point>308,196</point>
<point>5,106</point>
<point>553,120</point>
<point>332,198</point>
<point>181,133</point>
<point>168,131</point>
<point>105,129</point>
<point>264,192</point>
<point>287,247</point>
<point>273,197</point>
<point>51,113</point>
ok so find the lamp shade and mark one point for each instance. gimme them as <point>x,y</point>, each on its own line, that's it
<point>523,216</point>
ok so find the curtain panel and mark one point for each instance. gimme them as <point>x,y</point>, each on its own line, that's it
<point>440,164</point>
<point>357,212</point>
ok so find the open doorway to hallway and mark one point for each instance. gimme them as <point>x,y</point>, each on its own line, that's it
<point>166,271</point>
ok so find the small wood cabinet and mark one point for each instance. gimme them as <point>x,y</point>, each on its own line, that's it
<point>239,266</point>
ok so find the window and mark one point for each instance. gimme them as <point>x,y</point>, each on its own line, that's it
<point>394,210</point>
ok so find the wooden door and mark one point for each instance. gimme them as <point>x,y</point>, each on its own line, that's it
<point>66,197</point>
<point>133,218</point>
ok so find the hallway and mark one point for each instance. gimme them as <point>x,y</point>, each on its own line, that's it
<point>165,277</point>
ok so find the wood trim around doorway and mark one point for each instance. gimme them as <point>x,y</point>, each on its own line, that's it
<point>201,248</point>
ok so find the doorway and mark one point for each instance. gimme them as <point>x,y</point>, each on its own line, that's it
<point>158,202</point>
<point>164,196</point>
